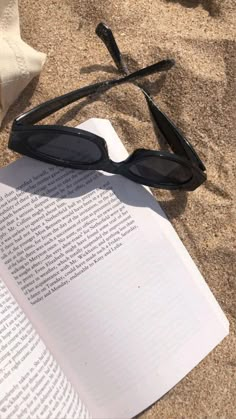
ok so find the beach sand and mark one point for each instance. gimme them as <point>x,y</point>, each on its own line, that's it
<point>199,95</point>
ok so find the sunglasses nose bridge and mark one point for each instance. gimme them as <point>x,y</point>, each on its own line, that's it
<point>111,166</point>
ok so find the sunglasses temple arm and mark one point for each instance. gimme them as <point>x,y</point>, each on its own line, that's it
<point>47,108</point>
<point>107,37</point>
<point>53,105</point>
<point>170,132</point>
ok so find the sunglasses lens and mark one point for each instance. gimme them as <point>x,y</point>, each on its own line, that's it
<point>161,171</point>
<point>65,147</point>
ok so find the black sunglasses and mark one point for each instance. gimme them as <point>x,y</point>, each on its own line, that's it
<point>79,149</point>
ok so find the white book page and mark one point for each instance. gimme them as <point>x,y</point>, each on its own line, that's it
<point>106,280</point>
<point>31,382</point>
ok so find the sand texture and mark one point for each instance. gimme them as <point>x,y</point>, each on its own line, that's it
<point>199,95</point>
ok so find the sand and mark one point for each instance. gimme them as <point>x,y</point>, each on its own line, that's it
<point>199,95</point>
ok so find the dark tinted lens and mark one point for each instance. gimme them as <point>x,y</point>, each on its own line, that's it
<point>161,171</point>
<point>65,147</point>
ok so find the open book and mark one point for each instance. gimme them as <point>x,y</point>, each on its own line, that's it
<point>102,310</point>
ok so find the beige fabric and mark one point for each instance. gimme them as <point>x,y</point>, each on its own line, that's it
<point>19,63</point>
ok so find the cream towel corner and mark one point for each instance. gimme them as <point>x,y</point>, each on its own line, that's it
<point>19,63</point>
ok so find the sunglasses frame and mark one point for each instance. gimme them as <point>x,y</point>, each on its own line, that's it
<point>184,154</point>
<point>20,134</point>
